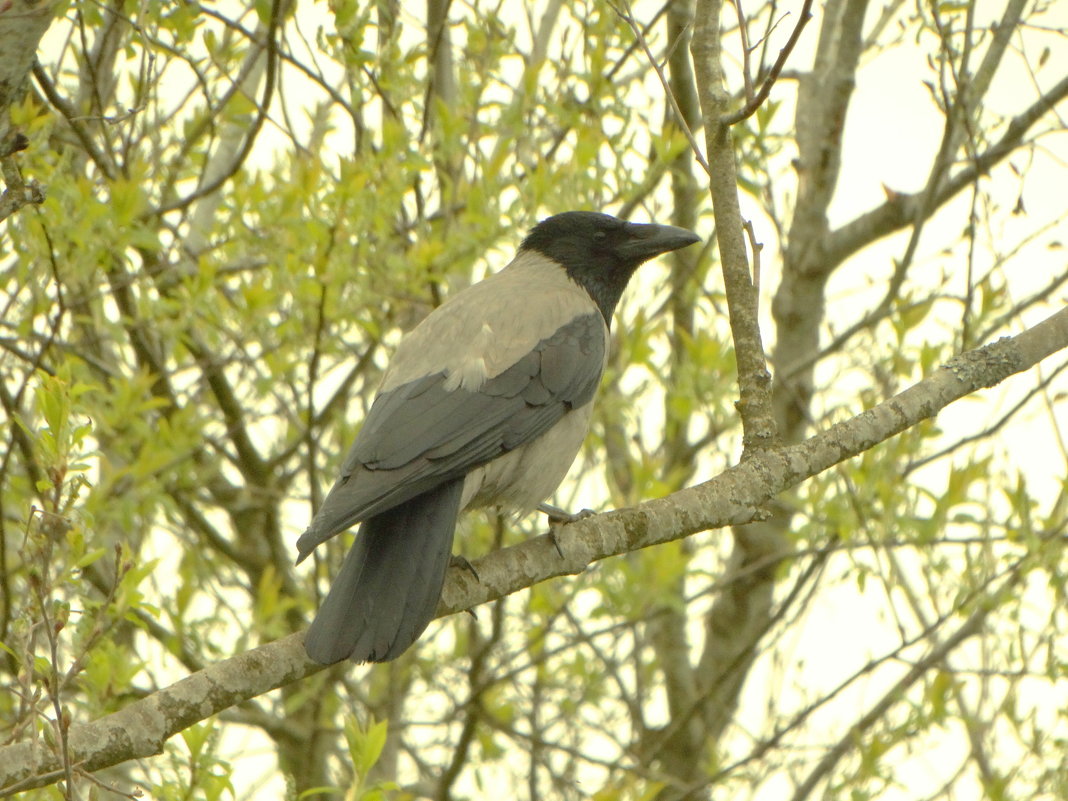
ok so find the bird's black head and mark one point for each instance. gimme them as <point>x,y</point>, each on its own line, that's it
<point>601,252</point>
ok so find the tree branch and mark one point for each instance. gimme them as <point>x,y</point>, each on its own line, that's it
<point>752,104</point>
<point>738,616</point>
<point>754,380</point>
<point>211,184</point>
<point>734,497</point>
<point>972,626</point>
<point>901,209</point>
<point>22,24</point>
<point>19,192</point>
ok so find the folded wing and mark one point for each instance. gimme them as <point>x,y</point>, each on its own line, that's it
<point>426,432</point>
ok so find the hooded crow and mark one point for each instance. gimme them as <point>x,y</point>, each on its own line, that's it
<point>485,403</point>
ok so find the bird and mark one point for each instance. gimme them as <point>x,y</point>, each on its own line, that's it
<point>485,403</point>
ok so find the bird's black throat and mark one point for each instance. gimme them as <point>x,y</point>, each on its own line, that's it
<point>604,283</point>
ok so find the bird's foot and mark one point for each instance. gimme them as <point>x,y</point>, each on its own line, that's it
<point>558,517</point>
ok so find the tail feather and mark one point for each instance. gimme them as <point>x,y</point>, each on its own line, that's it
<point>388,588</point>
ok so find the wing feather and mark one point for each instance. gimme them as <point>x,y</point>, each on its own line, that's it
<point>424,433</point>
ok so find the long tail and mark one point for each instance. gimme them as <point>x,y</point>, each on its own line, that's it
<point>388,588</point>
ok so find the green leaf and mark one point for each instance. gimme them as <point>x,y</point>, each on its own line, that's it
<point>91,557</point>
<point>365,744</point>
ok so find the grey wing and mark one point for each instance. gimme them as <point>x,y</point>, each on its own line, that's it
<point>420,435</point>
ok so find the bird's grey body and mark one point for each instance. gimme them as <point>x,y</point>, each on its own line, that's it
<point>497,335</point>
<point>485,403</point>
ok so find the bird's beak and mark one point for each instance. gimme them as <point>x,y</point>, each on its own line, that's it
<point>649,240</point>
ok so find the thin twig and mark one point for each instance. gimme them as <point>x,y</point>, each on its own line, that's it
<point>743,32</point>
<point>271,54</point>
<point>680,120</point>
<point>755,247</point>
<point>765,89</point>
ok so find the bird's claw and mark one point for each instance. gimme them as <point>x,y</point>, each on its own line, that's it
<point>555,541</point>
<point>458,561</point>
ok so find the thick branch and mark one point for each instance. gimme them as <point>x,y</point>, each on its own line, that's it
<point>734,497</point>
<point>738,614</point>
<point>22,24</point>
